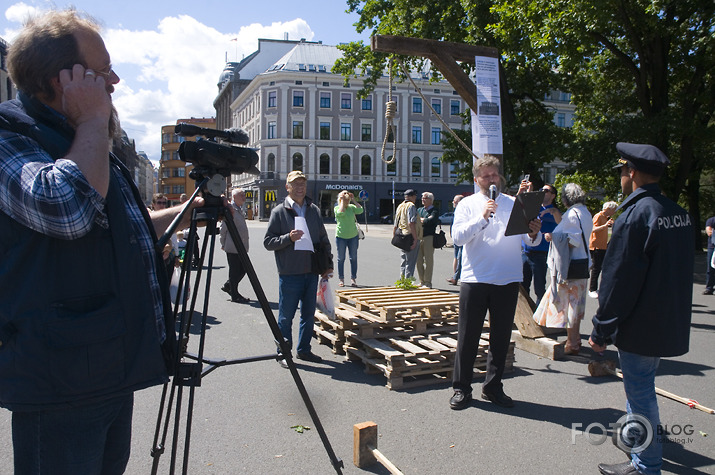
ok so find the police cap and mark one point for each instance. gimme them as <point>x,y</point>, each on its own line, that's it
<point>642,157</point>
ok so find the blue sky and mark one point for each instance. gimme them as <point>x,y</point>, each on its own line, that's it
<point>169,54</point>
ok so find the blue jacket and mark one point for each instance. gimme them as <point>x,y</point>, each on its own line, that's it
<point>76,323</point>
<point>646,293</point>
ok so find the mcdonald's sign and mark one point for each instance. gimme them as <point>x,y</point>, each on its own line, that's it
<point>270,195</point>
<point>249,194</point>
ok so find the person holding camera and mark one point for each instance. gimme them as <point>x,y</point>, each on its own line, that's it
<point>602,221</point>
<point>74,350</point>
<point>346,235</point>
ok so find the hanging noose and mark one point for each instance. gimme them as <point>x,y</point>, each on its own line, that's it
<point>390,111</point>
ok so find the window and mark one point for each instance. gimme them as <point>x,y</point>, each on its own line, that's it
<point>325,131</point>
<point>297,98</point>
<point>391,169</point>
<point>166,190</point>
<point>436,167</point>
<point>179,172</point>
<point>345,132</point>
<point>324,165</point>
<point>453,170</point>
<point>437,105</point>
<point>454,107</point>
<point>297,129</point>
<point>272,99</point>
<point>165,156</point>
<point>417,105</point>
<point>271,130</point>
<point>416,166</point>
<point>436,135</point>
<point>561,120</point>
<point>297,162</point>
<point>271,163</point>
<point>165,138</point>
<point>367,103</point>
<point>177,189</point>
<point>165,172</point>
<point>366,133</point>
<point>345,164</point>
<point>325,100</point>
<point>345,100</point>
<point>416,134</point>
<point>365,165</point>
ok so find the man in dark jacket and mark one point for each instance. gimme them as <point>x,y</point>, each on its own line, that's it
<point>645,298</point>
<point>73,350</point>
<point>425,256</point>
<point>297,235</point>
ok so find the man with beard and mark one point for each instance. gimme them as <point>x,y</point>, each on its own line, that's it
<point>96,325</point>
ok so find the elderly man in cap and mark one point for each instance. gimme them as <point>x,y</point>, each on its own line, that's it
<point>295,233</point>
<point>645,298</point>
<point>407,222</point>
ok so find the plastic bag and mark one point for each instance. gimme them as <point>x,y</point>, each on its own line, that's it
<point>174,286</point>
<point>325,299</point>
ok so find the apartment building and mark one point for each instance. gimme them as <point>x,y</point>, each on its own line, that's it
<point>173,179</point>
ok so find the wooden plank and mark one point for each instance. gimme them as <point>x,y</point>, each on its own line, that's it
<point>545,347</point>
<point>524,317</point>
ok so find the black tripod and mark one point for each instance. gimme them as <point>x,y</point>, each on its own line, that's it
<point>191,368</point>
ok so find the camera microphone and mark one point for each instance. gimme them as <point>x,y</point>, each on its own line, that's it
<point>492,193</point>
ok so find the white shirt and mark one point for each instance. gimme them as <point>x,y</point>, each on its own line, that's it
<point>488,256</point>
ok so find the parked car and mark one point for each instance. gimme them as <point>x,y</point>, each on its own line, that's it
<point>387,219</point>
<point>446,218</point>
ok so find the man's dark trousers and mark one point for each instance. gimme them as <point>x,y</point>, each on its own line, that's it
<point>474,301</point>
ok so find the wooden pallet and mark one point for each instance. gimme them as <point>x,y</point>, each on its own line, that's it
<point>415,360</point>
<point>385,304</point>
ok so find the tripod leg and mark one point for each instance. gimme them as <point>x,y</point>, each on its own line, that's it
<point>285,350</point>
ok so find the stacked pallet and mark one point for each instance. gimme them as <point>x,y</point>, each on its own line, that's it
<point>409,336</point>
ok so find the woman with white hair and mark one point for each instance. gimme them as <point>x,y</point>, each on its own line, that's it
<point>564,303</point>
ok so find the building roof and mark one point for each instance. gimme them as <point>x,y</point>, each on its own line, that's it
<point>312,57</point>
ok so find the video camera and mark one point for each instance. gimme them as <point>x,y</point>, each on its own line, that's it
<point>209,157</point>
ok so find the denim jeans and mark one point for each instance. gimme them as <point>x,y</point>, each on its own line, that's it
<point>458,256</point>
<point>639,383</point>
<point>534,265</point>
<point>352,245</point>
<point>292,290</point>
<point>710,272</point>
<point>89,439</point>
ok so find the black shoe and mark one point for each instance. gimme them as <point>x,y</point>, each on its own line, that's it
<point>310,356</point>
<point>226,289</point>
<point>500,399</point>
<point>460,400</point>
<point>240,299</point>
<point>283,363</point>
<point>708,292</point>
<point>625,468</point>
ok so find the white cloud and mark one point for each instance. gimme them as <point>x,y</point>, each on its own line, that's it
<point>178,67</point>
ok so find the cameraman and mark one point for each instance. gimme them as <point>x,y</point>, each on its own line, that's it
<point>74,350</point>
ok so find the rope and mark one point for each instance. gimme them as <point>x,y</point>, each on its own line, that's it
<point>424,99</point>
<point>390,112</point>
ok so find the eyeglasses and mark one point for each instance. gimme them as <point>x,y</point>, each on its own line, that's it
<point>547,190</point>
<point>107,72</point>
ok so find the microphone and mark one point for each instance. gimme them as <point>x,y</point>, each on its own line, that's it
<point>492,193</point>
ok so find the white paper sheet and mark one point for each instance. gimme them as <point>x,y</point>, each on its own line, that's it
<point>305,243</point>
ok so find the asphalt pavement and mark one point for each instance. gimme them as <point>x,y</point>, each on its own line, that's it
<point>244,415</point>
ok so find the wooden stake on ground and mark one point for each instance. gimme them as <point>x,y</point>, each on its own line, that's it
<point>365,451</point>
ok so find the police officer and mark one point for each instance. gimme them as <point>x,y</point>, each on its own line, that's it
<point>646,296</point>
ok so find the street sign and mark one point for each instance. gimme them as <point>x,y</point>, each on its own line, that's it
<point>363,195</point>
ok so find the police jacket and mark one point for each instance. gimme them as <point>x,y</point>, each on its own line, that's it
<point>77,321</point>
<point>646,289</point>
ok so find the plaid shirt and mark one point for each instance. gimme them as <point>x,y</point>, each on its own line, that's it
<point>55,199</point>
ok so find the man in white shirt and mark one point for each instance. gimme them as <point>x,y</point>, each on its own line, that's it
<point>491,275</point>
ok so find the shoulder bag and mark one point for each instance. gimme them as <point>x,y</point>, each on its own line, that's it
<point>578,268</point>
<point>440,239</point>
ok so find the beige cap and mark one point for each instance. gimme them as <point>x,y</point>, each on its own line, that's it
<point>294,175</point>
